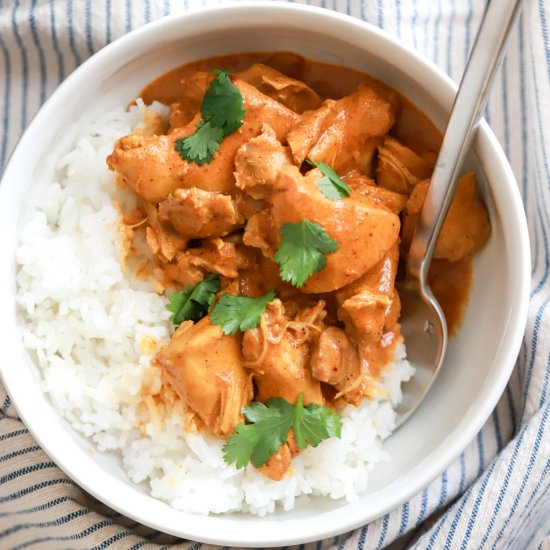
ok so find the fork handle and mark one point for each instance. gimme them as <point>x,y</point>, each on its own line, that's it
<point>470,100</point>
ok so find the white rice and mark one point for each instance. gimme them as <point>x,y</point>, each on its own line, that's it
<point>84,319</point>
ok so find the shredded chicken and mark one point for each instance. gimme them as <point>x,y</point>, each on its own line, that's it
<point>163,241</point>
<point>277,352</point>
<point>196,214</point>
<point>205,367</point>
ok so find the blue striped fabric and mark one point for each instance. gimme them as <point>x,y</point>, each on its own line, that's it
<point>497,493</point>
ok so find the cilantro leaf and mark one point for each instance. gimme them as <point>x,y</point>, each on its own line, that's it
<point>257,442</point>
<point>330,184</point>
<point>240,447</point>
<point>314,423</point>
<point>302,251</point>
<point>235,313</point>
<point>270,424</point>
<point>201,145</point>
<point>222,113</point>
<point>192,303</point>
<point>222,104</point>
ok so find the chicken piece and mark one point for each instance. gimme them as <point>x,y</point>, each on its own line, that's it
<point>333,357</point>
<point>278,357</point>
<point>214,255</point>
<point>183,271</point>
<point>258,162</point>
<point>379,279</point>
<point>143,163</point>
<point>197,214</point>
<point>221,256</point>
<point>335,361</point>
<point>294,94</point>
<point>399,168</point>
<point>260,233</point>
<point>246,205</point>
<point>312,315</point>
<point>205,367</point>
<point>368,188</point>
<point>258,280</point>
<point>184,110</point>
<point>154,169</point>
<point>370,308</point>
<point>163,241</point>
<point>457,239</point>
<point>363,230</point>
<point>279,463</point>
<point>343,134</point>
<point>370,304</point>
<point>365,314</point>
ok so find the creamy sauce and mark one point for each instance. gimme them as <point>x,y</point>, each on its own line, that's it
<point>413,128</point>
<point>450,281</point>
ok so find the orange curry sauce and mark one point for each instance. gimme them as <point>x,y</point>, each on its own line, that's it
<point>450,281</point>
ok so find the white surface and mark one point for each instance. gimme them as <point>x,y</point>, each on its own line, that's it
<point>480,357</point>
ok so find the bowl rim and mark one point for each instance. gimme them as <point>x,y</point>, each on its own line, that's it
<point>216,529</point>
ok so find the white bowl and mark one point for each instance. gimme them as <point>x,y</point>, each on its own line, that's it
<point>480,357</point>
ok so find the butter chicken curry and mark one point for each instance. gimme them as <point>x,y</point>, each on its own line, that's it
<point>278,202</point>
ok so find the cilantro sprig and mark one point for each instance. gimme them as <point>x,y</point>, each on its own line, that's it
<point>192,303</point>
<point>222,104</point>
<point>302,251</point>
<point>330,184</point>
<point>269,427</point>
<point>200,146</point>
<point>222,113</point>
<point>235,313</point>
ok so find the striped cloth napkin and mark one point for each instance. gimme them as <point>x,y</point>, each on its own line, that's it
<point>497,493</point>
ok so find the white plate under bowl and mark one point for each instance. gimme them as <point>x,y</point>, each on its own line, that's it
<point>480,357</point>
